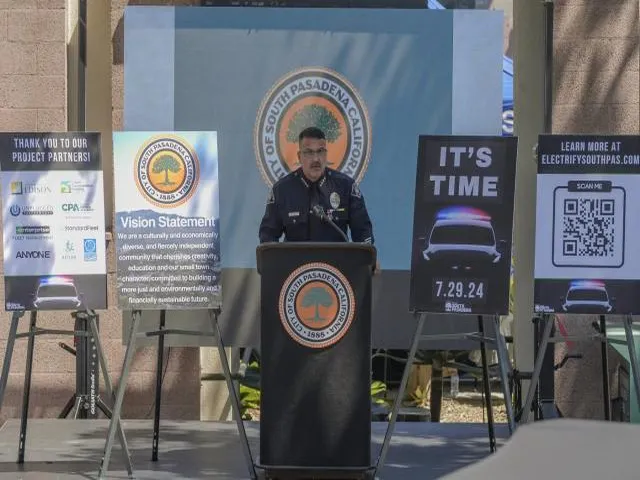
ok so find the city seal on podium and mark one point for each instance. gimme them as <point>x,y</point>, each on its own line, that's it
<point>167,171</point>
<point>312,97</point>
<point>316,305</point>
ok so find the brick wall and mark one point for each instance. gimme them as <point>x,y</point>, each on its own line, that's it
<point>33,97</point>
<point>596,90</point>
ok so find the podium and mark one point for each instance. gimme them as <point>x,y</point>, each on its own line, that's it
<point>315,333</point>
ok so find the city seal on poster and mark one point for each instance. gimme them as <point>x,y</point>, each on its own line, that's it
<point>462,226</point>
<point>312,97</point>
<point>53,221</point>
<point>167,220</point>
<point>316,305</point>
<point>585,260</point>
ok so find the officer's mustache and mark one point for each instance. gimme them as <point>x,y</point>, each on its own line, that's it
<point>316,164</point>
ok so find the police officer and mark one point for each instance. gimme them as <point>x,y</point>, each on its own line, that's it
<point>298,202</point>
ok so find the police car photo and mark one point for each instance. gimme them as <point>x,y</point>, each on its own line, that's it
<point>462,237</point>
<point>587,296</point>
<point>57,293</point>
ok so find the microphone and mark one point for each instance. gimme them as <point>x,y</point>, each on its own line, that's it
<point>319,212</point>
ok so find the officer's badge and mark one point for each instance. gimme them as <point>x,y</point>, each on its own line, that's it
<point>334,199</point>
<point>355,191</point>
<point>270,197</point>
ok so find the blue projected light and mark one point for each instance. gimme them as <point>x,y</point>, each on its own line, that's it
<point>462,213</point>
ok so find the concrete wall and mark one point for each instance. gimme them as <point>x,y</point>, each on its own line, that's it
<point>596,89</point>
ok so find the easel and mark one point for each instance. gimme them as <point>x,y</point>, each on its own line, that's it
<point>85,404</point>
<point>136,316</point>
<point>503,365</point>
<point>88,316</point>
<point>602,337</point>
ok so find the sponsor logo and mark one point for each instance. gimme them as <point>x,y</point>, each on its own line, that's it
<point>90,250</point>
<point>40,254</point>
<point>312,97</point>
<point>81,228</point>
<point>167,171</point>
<point>76,207</point>
<point>69,251</point>
<point>74,186</point>
<point>33,230</point>
<point>16,210</point>
<point>316,305</point>
<point>22,188</point>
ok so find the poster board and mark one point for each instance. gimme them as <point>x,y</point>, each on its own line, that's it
<point>586,260</point>
<point>53,221</point>
<point>167,221</point>
<point>463,223</point>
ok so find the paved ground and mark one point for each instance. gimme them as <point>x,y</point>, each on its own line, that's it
<point>72,449</point>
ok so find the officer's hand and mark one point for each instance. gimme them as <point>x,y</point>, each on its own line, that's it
<point>376,269</point>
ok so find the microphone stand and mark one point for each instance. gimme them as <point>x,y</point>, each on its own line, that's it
<point>318,211</point>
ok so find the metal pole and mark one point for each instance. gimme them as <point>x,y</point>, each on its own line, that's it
<point>109,390</point>
<point>503,361</point>
<point>235,402</point>
<point>8,354</point>
<point>156,416</point>
<point>122,386</point>
<point>27,388</point>
<point>604,349</point>
<point>544,342</point>
<point>487,387</point>
<point>633,357</point>
<point>398,400</point>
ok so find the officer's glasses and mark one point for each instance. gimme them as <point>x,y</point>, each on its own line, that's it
<point>312,153</point>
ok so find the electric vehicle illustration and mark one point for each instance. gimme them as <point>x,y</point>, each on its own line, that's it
<point>57,293</point>
<point>462,237</point>
<point>587,296</point>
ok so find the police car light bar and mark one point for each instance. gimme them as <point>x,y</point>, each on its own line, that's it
<point>462,213</point>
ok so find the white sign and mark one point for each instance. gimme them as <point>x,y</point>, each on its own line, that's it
<point>53,221</point>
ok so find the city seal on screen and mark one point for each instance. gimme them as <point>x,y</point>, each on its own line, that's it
<point>167,171</point>
<point>316,305</point>
<point>312,97</point>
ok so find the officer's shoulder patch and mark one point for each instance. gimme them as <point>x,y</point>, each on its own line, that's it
<point>355,190</point>
<point>270,197</point>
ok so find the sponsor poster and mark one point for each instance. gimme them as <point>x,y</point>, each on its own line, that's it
<point>167,220</point>
<point>463,222</point>
<point>53,228</point>
<point>586,260</point>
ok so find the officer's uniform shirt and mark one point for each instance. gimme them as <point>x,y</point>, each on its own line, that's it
<point>292,198</point>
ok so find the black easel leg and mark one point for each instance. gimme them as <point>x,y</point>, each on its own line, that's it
<point>156,417</point>
<point>487,387</point>
<point>67,408</point>
<point>605,369</point>
<point>27,389</point>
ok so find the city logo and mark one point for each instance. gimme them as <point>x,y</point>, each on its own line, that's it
<point>90,250</point>
<point>36,254</point>
<point>167,171</point>
<point>316,305</point>
<point>312,97</point>
<point>20,188</point>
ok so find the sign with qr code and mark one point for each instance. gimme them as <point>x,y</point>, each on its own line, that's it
<point>584,262</point>
<point>463,222</point>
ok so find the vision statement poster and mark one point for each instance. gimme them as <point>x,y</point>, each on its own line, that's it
<point>462,225</point>
<point>167,220</point>
<point>587,225</point>
<point>53,221</point>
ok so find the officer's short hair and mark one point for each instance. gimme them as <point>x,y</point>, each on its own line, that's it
<point>311,132</point>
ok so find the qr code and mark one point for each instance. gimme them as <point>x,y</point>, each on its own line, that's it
<point>589,228</point>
